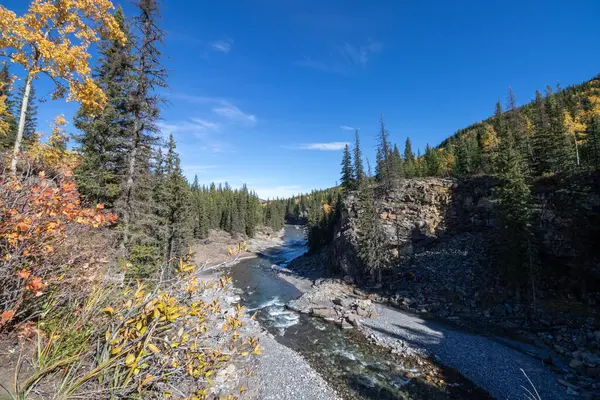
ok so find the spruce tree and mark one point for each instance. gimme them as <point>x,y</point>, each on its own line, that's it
<point>593,144</point>
<point>359,171</point>
<point>347,176</point>
<point>397,162</point>
<point>177,205</point>
<point>144,104</point>
<point>409,160</point>
<point>371,237</point>
<point>432,160</point>
<point>560,154</point>
<point>384,168</point>
<point>6,83</point>
<point>518,250</point>
<point>103,141</point>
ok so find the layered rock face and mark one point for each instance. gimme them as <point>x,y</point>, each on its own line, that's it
<point>415,214</point>
<point>419,212</point>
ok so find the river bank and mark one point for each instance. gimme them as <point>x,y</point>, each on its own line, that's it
<point>352,366</point>
<point>492,364</point>
<point>278,372</point>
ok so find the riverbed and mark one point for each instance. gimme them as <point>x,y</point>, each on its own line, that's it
<point>355,368</point>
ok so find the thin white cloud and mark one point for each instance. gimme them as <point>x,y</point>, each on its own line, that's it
<point>223,45</point>
<point>197,169</point>
<point>199,129</point>
<point>346,128</point>
<point>222,108</point>
<point>331,146</point>
<point>335,67</point>
<point>195,126</point>
<point>232,113</point>
<point>348,58</point>
<point>359,55</point>
<point>213,126</point>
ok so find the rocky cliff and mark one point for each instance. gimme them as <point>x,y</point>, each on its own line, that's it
<point>415,215</point>
<point>420,213</point>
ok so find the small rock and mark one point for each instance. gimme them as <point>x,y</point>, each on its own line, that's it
<point>353,319</point>
<point>346,325</point>
<point>362,312</point>
<point>323,312</point>
<point>576,364</point>
<point>590,359</point>
<point>343,302</point>
<point>225,374</point>
<point>364,304</point>
<point>348,279</point>
<point>572,392</point>
<point>508,308</point>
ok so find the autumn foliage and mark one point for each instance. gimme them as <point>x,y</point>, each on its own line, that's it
<point>36,212</point>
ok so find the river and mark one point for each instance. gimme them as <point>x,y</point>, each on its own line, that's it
<point>356,368</point>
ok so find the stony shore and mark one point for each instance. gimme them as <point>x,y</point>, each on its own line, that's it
<point>279,373</point>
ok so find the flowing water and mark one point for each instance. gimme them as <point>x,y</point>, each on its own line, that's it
<point>356,368</point>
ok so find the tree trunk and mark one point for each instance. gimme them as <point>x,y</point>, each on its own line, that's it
<point>576,149</point>
<point>129,183</point>
<point>21,130</point>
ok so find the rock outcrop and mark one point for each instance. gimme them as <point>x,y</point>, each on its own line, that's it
<point>414,215</point>
<point>419,212</point>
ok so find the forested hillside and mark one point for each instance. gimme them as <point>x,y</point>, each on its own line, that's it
<point>533,155</point>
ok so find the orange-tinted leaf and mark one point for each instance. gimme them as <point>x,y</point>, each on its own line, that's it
<point>24,274</point>
<point>6,316</point>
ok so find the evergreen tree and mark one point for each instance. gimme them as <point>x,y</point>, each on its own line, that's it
<point>397,162</point>
<point>177,205</point>
<point>560,153</point>
<point>433,161</point>
<point>359,171</point>
<point>517,248</point>
<point>384,168</point>
<point>144,105</point>
<point>347,177</point>
<point>371,237</point>
<point>409,160</point>
<point>103,144</point>
<point>593,144</point>
<point>8,140</point>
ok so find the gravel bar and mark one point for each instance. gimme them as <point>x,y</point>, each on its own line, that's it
<point>489,364</point>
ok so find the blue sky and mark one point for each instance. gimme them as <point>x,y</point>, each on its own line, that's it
<point>266,92</point>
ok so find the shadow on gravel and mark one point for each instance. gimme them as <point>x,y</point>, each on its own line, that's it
<point>418,389</point>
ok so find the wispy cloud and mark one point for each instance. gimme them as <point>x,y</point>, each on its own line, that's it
<point>346,128</point>
<point>222,108</point>
<point>232,113</point>
<point>223,45</point>
<point>334,67</point>
<point>198,169</point>
<point>331,146</point>
<point>346,59</point>
<point>195,126</point>
<point>359,55</point>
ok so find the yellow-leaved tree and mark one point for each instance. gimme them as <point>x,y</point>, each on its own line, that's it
<point>53,38</point>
